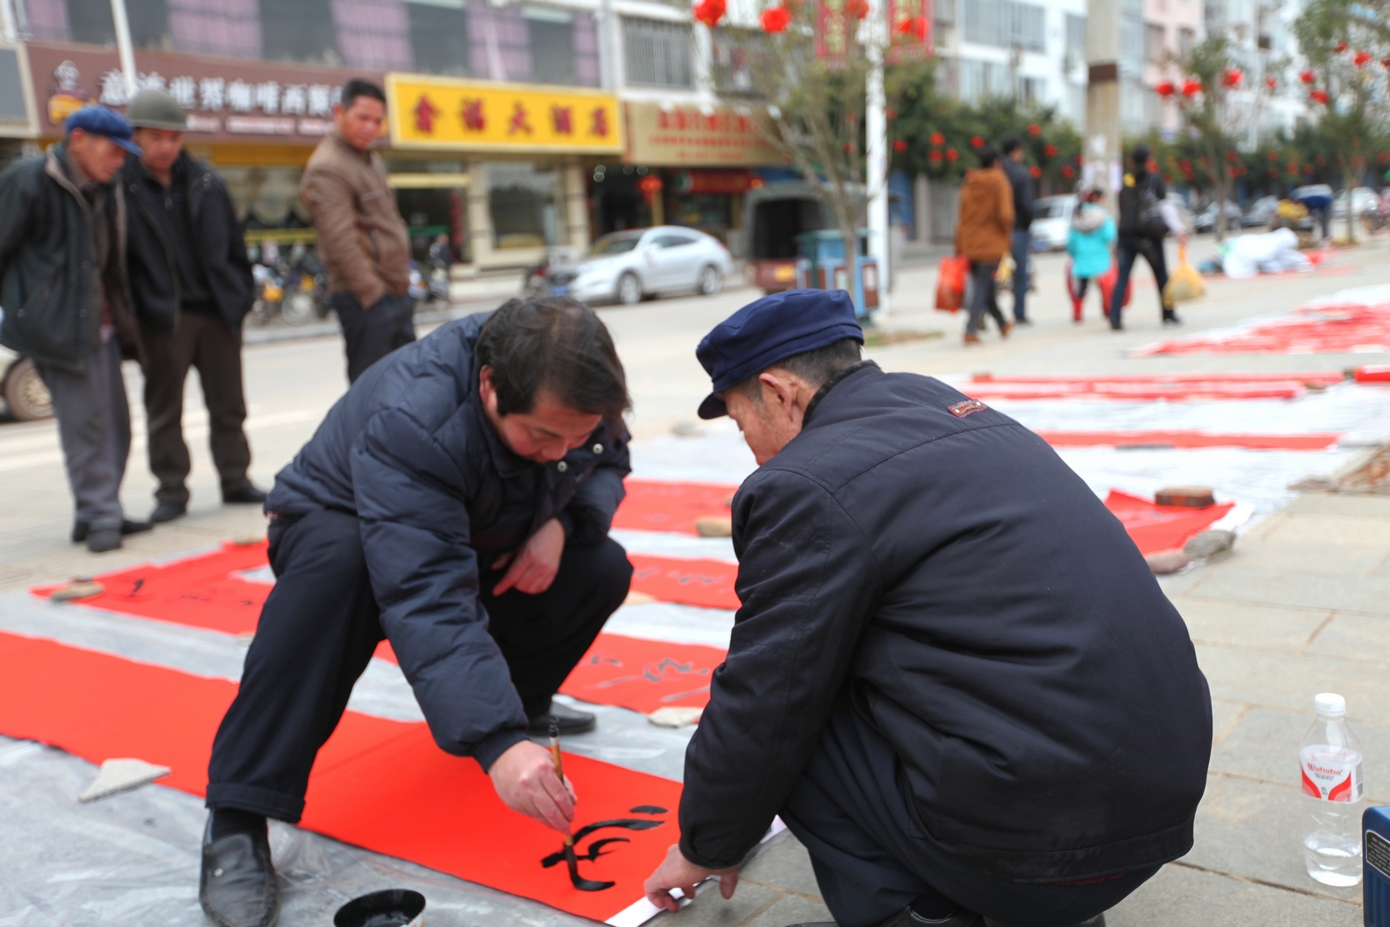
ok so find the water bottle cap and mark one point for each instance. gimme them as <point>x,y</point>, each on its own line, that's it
<point>1330,703</point>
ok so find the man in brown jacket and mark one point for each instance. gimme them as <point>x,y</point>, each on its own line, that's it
<point>983,234</point>
<point>362,239</point>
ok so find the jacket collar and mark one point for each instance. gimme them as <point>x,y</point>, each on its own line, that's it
<point>347,148</point>
<point>506,463</point>
<point>830,384</point>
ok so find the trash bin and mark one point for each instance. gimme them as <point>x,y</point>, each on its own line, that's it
<point>821,265</point>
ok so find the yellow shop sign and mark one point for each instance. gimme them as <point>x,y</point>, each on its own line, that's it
<point>436,112</point>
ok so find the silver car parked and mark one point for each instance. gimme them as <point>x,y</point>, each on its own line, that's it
<point>627,266</point>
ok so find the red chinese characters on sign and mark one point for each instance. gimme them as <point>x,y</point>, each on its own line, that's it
<point>560,118</point>
<point>599,125</point>
<point>425,114</point>
<point>520,122</point>
<point>472,115</point>
<point>909,29</point>
<point>832,30</point>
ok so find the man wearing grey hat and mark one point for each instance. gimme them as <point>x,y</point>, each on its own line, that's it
<point>66,304</point>
<point>961,689</point>
<point>192,284</point>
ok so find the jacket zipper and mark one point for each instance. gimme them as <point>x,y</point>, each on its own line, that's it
<point>163,243</point>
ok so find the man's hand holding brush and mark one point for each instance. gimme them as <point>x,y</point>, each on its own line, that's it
<point>524,777</point>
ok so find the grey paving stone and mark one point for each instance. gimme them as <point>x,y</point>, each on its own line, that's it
<point>1336,504</point>
<point>1283,553</point>
<point>1336,530</point>
<point>1223,714</point>
<point>1290,681</point>
<point>785,864</point>
<point>1264,745</point>
<point>792,909</point>
<point>1354,637</point>
<point>1255,830</point>
<point>1249,625</point>
<point>1183,897</point>
<point>709,909</point>
<point>1243,582</point>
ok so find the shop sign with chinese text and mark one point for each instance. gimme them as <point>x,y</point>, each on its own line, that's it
<point>225,100</point>
<point>660,135</point>
<point>834,30</point>
<point>909,30</point>
<point>429,112</point>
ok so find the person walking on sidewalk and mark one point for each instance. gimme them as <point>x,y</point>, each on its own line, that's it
<point>1088,242</point>
<point>983,234</point>
<point>1146,218</point>
<point>362,238</point>
<point>67,306</point>
<point>1021,241</point>
<point>192,285</point>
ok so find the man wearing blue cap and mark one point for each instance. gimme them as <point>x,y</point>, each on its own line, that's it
<point>67,305</point>
<point>962,689</point>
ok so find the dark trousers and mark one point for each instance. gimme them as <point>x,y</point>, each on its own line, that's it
<point>370,334</point>
<point>1131,247</point>
<point>320,626</point>
<point>1022,248</point>
<point>94,429</point>
<point>871,859</point>
<point>984,296</point>
<point>208,344</point>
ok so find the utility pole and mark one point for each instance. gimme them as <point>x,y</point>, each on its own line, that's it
<point>124,46</point>
<point>1101,150</point>
<point>876,148</point>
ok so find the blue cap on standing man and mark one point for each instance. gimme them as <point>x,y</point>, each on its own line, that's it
<point>98,120</point>
<point>769,330</point>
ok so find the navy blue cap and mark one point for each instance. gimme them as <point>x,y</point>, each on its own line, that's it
<point>769,330</point>
<point>98,120</point>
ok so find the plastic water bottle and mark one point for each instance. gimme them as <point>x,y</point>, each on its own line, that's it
<point>1331,760</point>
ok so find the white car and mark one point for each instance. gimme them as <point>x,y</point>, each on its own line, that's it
<point>26,398</point>
<point>627,266</point>
<point>1052,222</point>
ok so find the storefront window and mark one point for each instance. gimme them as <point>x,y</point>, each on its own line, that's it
<point>439,36</point>
<point>299,30</point>
<point>436,219</point>
<point>527,204</point>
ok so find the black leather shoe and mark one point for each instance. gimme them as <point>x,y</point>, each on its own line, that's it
<point>168,511</point>
<point>104,539</point>
<point>245,494</point>
<point>1170,317</point>
<point>570,720</point>
<point>237,887</point>
<point>80,529</point>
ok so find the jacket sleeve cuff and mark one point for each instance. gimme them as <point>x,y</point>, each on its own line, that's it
<point>487,750</point>
<point>708,862</point>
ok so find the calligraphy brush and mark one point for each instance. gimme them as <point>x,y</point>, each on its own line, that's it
<point>579,882</point>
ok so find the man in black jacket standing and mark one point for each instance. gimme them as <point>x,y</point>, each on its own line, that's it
<point>964,692</point>
<point>457,502</point>
<point>1145,220</point>
<point>1024,195</point>
<point>192,285</point>
<point>66,302</point>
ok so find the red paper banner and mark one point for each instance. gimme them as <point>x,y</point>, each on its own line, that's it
<point>657,505</point>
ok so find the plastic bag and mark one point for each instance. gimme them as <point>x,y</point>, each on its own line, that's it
<point>1184,282</point>
<point>1107,281</point>
<point>950,282</point>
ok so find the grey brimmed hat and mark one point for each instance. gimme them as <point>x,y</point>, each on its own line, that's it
<point>156,109</point>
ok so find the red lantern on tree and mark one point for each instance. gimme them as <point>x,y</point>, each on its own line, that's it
<point>977,141</point>
<point>890,113</point>
<point>1383,157</point>
<point>1271,83</point>
<point>952,154</point>
<point>1362,58</point>
<point>710,12</point>
<point>1274,156</point>
<point>857,9</point>
<point>1068,171</point>
<point>1166,89</point>
<point>1232,78</point>
<point>899,145</point>
<point>1293,167</point>
<point>1319,96</point>
<point>938,139</point>
<point>1341,47</point>
<point>934,156</point>
<point>1035,172</point>
<point>1034,129</point>
<point>776,19</point>
<point>1190,88</point>
<point>1273,173</point>
<point>1050,151</point>
<point>1308,77</point>
<point>1231,156</point>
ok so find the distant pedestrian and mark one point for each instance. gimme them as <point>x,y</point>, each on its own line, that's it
<point>362,239</point>
<point>67,306</point>
<point>1317,199</point>
<point>192,285</point>
<point>983,234</point>
<point>1088,242</point>
<point>1021,246</point>
<point>1145,220</point>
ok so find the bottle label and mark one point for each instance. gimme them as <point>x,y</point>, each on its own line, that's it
<point>1330,774</point>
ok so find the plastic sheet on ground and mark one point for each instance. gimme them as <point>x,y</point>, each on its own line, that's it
<point>1274,252</point>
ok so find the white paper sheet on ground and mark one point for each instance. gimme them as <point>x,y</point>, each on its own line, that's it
<point>120,775</point>
<point>662,544</point>
<point>717,455</point>
<point>639,912</point>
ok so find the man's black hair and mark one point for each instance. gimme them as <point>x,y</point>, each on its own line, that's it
<point>357,87</point>
<point>815,366</point>
<point>1140,155</point>
<point>987,155</point>
<point>1010,145</point>
<point>556,343</point>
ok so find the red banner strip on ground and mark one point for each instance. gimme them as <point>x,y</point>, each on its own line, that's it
<point>654,505</point>
<point>1189,439</point>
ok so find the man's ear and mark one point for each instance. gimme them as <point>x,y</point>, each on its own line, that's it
<point>779,393</point>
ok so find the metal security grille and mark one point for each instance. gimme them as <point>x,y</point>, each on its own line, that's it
<point>1005,24</point>
<point>657,54</point>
